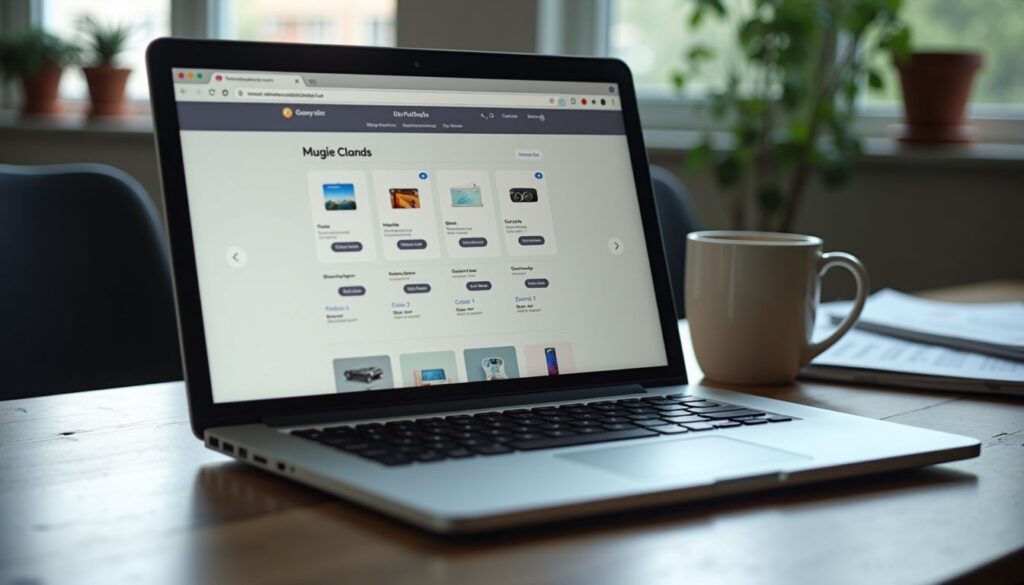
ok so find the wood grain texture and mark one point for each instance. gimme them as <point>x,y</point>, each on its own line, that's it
<point>110,486</point>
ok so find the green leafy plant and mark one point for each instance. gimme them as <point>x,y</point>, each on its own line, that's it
<point>105,42</point>
<point>789,102</point>
<point>24,53</point>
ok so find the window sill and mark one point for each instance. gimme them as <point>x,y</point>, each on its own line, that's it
<point>877,150</point>
<point>12,122</point>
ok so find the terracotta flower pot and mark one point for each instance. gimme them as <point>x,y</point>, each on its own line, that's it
<point>936,89</point>
<point>106,89</point>
<point>41,91</point>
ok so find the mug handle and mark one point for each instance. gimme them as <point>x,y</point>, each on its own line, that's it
<point>860,274</point>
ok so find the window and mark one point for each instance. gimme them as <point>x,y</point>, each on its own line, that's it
<point>994,27</point>
<point>150,19</point>
<point>652,37</point>
<point>354,22</point>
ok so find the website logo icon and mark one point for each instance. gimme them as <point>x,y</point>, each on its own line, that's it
<point>287,113</point>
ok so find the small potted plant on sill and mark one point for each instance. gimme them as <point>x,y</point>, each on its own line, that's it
<point>106,81</point>
<point>38,58</point>
<point>936,88</point>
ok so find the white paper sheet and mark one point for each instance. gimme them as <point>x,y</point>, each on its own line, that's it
<point>995,328</point>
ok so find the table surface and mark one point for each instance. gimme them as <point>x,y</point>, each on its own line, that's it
<point>109,486</point>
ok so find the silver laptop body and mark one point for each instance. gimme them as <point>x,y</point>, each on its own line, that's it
<point>432,283</point>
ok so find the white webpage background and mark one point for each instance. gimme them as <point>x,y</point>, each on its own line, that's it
<point>266,332</point>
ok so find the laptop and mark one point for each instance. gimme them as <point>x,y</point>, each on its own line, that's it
<point>433,283</point>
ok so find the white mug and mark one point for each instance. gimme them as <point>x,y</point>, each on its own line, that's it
<point>751,299</point>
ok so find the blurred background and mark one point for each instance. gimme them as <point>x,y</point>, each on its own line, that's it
<point>953,210</point>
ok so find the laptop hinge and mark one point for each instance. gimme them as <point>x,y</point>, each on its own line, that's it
<point>564,395</point>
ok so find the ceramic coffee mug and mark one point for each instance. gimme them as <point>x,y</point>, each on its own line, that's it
<point>751,299</point>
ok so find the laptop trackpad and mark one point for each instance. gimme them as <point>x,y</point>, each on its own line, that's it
<point>685,457</point>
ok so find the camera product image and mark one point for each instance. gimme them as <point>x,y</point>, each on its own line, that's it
<point>494,368</point>
<point>523,195</point>
<point>366,375</point>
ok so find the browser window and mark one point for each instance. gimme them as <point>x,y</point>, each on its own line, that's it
<point>360,233</point>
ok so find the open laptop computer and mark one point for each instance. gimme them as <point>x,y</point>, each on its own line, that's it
<point>433,283</point>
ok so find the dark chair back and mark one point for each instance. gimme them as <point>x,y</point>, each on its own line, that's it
<point>85,292</point>
<point>677,218</point>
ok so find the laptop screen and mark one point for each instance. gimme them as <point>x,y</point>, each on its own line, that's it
<point>359,233</point>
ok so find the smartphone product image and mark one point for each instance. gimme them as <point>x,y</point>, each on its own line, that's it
<point>523,195</point>
<point>468,196</point>
<point>552,361</point>
<point>405,198</point>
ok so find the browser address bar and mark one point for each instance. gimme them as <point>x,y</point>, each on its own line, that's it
<point>393,97</point>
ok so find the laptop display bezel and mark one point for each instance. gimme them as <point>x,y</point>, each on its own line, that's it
<point>165,54</point>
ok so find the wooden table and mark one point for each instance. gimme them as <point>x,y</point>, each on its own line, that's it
<point>111,486</point>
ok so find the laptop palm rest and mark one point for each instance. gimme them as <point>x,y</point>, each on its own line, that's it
<point>685,457</point>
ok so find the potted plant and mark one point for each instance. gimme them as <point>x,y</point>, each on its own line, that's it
<point>936,88</point>
<point>106,81</point>
<point>38,59</point>
<point>789,103</point>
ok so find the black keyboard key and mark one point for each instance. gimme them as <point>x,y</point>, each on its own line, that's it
<point>778,418</point>
<point>559,433</point>
<point>611,420</point>
<point>558,418</point>
<point>672,429</point>
<point>733,414</point>
<point>754,421</point>
<point>690,418</point>
<point>703,404</point>
<point>338,430</point>
<point>710,409</point>
<point>392,460</point>
<point>590,430</point>
<point>620,426</point>
<point>428,456</point>
<point>497,448</point>
<point>650,423</point>
<point>374,453</point>
<point>459,453</point>
<point>671,407</point>
<point>340,441</point>
<point>678,396</point>
<point>528,436</point>
<point>726,424</point>
<point>582,439</point>
<point>699,426</point>
<point>636,417</point>
<point>577,424</point>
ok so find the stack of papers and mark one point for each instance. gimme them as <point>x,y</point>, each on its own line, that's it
<point>992,328</point>
<point>901,340</point>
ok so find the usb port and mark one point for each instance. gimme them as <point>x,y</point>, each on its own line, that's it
<point>214,442</point>
<point>243,452</point>
<point>259,459</point>
<point>228,447</point>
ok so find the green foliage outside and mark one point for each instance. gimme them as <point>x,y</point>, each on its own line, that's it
<point>790,97</point>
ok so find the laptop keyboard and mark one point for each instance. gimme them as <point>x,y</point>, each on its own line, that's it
<point>459,436</point>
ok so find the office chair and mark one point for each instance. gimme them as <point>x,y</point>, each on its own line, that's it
<point>85,297</point>
<point>677,218</point>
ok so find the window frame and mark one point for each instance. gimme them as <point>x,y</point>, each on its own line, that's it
<point>582,27</point>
